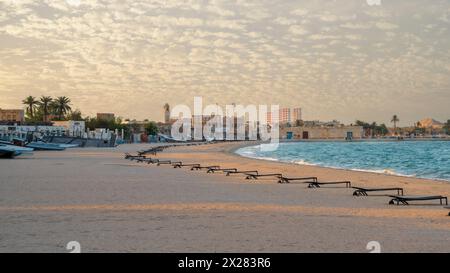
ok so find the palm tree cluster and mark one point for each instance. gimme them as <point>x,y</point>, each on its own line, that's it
<point>44,107</point>
<point>373,128</point>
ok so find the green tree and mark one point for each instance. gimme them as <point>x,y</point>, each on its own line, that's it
<point>45,105</point>
<point>447,127</point>
<point>299,123</point>
<point>395,120</point>
<point>62,105</point>
<point>75,115</point>
<point>31,104</point>
<point>383,129</point>
<point>151,128</point>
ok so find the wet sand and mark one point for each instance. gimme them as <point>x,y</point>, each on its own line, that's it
<point>109,204</point>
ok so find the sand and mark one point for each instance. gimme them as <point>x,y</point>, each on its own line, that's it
<point>109,204</point>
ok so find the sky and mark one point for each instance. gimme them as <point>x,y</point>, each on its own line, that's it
<point>337,59</point>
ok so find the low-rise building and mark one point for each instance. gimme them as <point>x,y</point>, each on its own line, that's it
<point>73,128</point>
<point>12,115</point>
<point>319,132</point>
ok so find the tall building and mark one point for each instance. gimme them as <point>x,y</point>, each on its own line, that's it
<point>286,115</point>
<point>296,114</point>
<point>12,115</point>
<point>269,117</point>
<point>166,113</point>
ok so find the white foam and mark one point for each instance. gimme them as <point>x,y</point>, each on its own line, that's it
<point>303,162</point>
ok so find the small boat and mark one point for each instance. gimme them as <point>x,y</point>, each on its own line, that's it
<point>43,146</point>
<point>9,151</point>
<point>67,146</point>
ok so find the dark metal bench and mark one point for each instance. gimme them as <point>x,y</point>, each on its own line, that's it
<point>137,158</point>
<point>179,165</point>
<point>133,157</point>
<point>213,170</point>
<point>164,162</point>
<point>240,172</point>
<point>406,199</point>
<point>448,208</point>
<point>204,167</point>
<point>314,185</point>
<point>364,191</point>
<point>286,180</point>
<point>146,160</point>
<point>256,176</point>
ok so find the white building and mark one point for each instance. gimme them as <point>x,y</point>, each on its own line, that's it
<point>73,128</point>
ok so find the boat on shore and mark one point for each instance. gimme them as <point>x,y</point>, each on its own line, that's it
<point>43,146</point>
<point>6,153</point>
<point>40,145</point>
<point>11,151</point>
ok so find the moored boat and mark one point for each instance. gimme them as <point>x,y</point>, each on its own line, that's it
<point>6,153</point>
<point>39,145</point>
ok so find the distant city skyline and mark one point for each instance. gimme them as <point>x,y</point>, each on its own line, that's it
<point>343,60</point>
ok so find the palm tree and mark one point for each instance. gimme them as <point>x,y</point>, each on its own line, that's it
<point>31,104</point>
<point>394,120</point>
<point>62,105</point>
<point>45,104</point>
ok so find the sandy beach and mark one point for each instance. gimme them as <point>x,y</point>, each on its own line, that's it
<point>109,204</point>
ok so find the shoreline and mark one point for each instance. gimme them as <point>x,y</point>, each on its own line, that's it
<point>233,152</point>
<point>415,185</point>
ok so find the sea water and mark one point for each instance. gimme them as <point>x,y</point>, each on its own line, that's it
<point>424,159</point>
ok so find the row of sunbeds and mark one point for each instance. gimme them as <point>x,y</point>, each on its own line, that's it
<point>396,194</point>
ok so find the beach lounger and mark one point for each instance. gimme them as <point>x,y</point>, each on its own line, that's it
<point>176,165</point>
<point>363,191</point>
<point>213,170</point>
<point>164,162</point>
<point>406,199</point>
<point>251,176</point>
<point>204,167</point>
<point>286,180</point>
<point>314,185</point>
<point>146,160</point>
<point>134,157</point>
<point>228,173</point>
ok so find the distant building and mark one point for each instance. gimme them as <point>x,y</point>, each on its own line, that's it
<point>72,128</point>
<point>319,132</point>
<point>12,115</point>
<point>296,114</point>
<point>430,123</point>
<point>317,123</point>
<point>106,116</point>
<point>286,116</point>
<point>166,113</point>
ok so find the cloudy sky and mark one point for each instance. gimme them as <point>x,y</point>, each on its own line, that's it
<point>337,59</point>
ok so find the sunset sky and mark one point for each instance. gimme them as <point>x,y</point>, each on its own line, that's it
<point>341,59</point>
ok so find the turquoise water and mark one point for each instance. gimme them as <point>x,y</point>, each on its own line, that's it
<point>424,159</point>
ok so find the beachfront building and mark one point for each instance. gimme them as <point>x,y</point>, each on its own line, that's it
<point>321,132</point>
<point>72,128</point>
<point>12,115</point>
<point>9,132</point>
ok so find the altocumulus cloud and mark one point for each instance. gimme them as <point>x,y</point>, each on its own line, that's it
<point>335,59</point>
